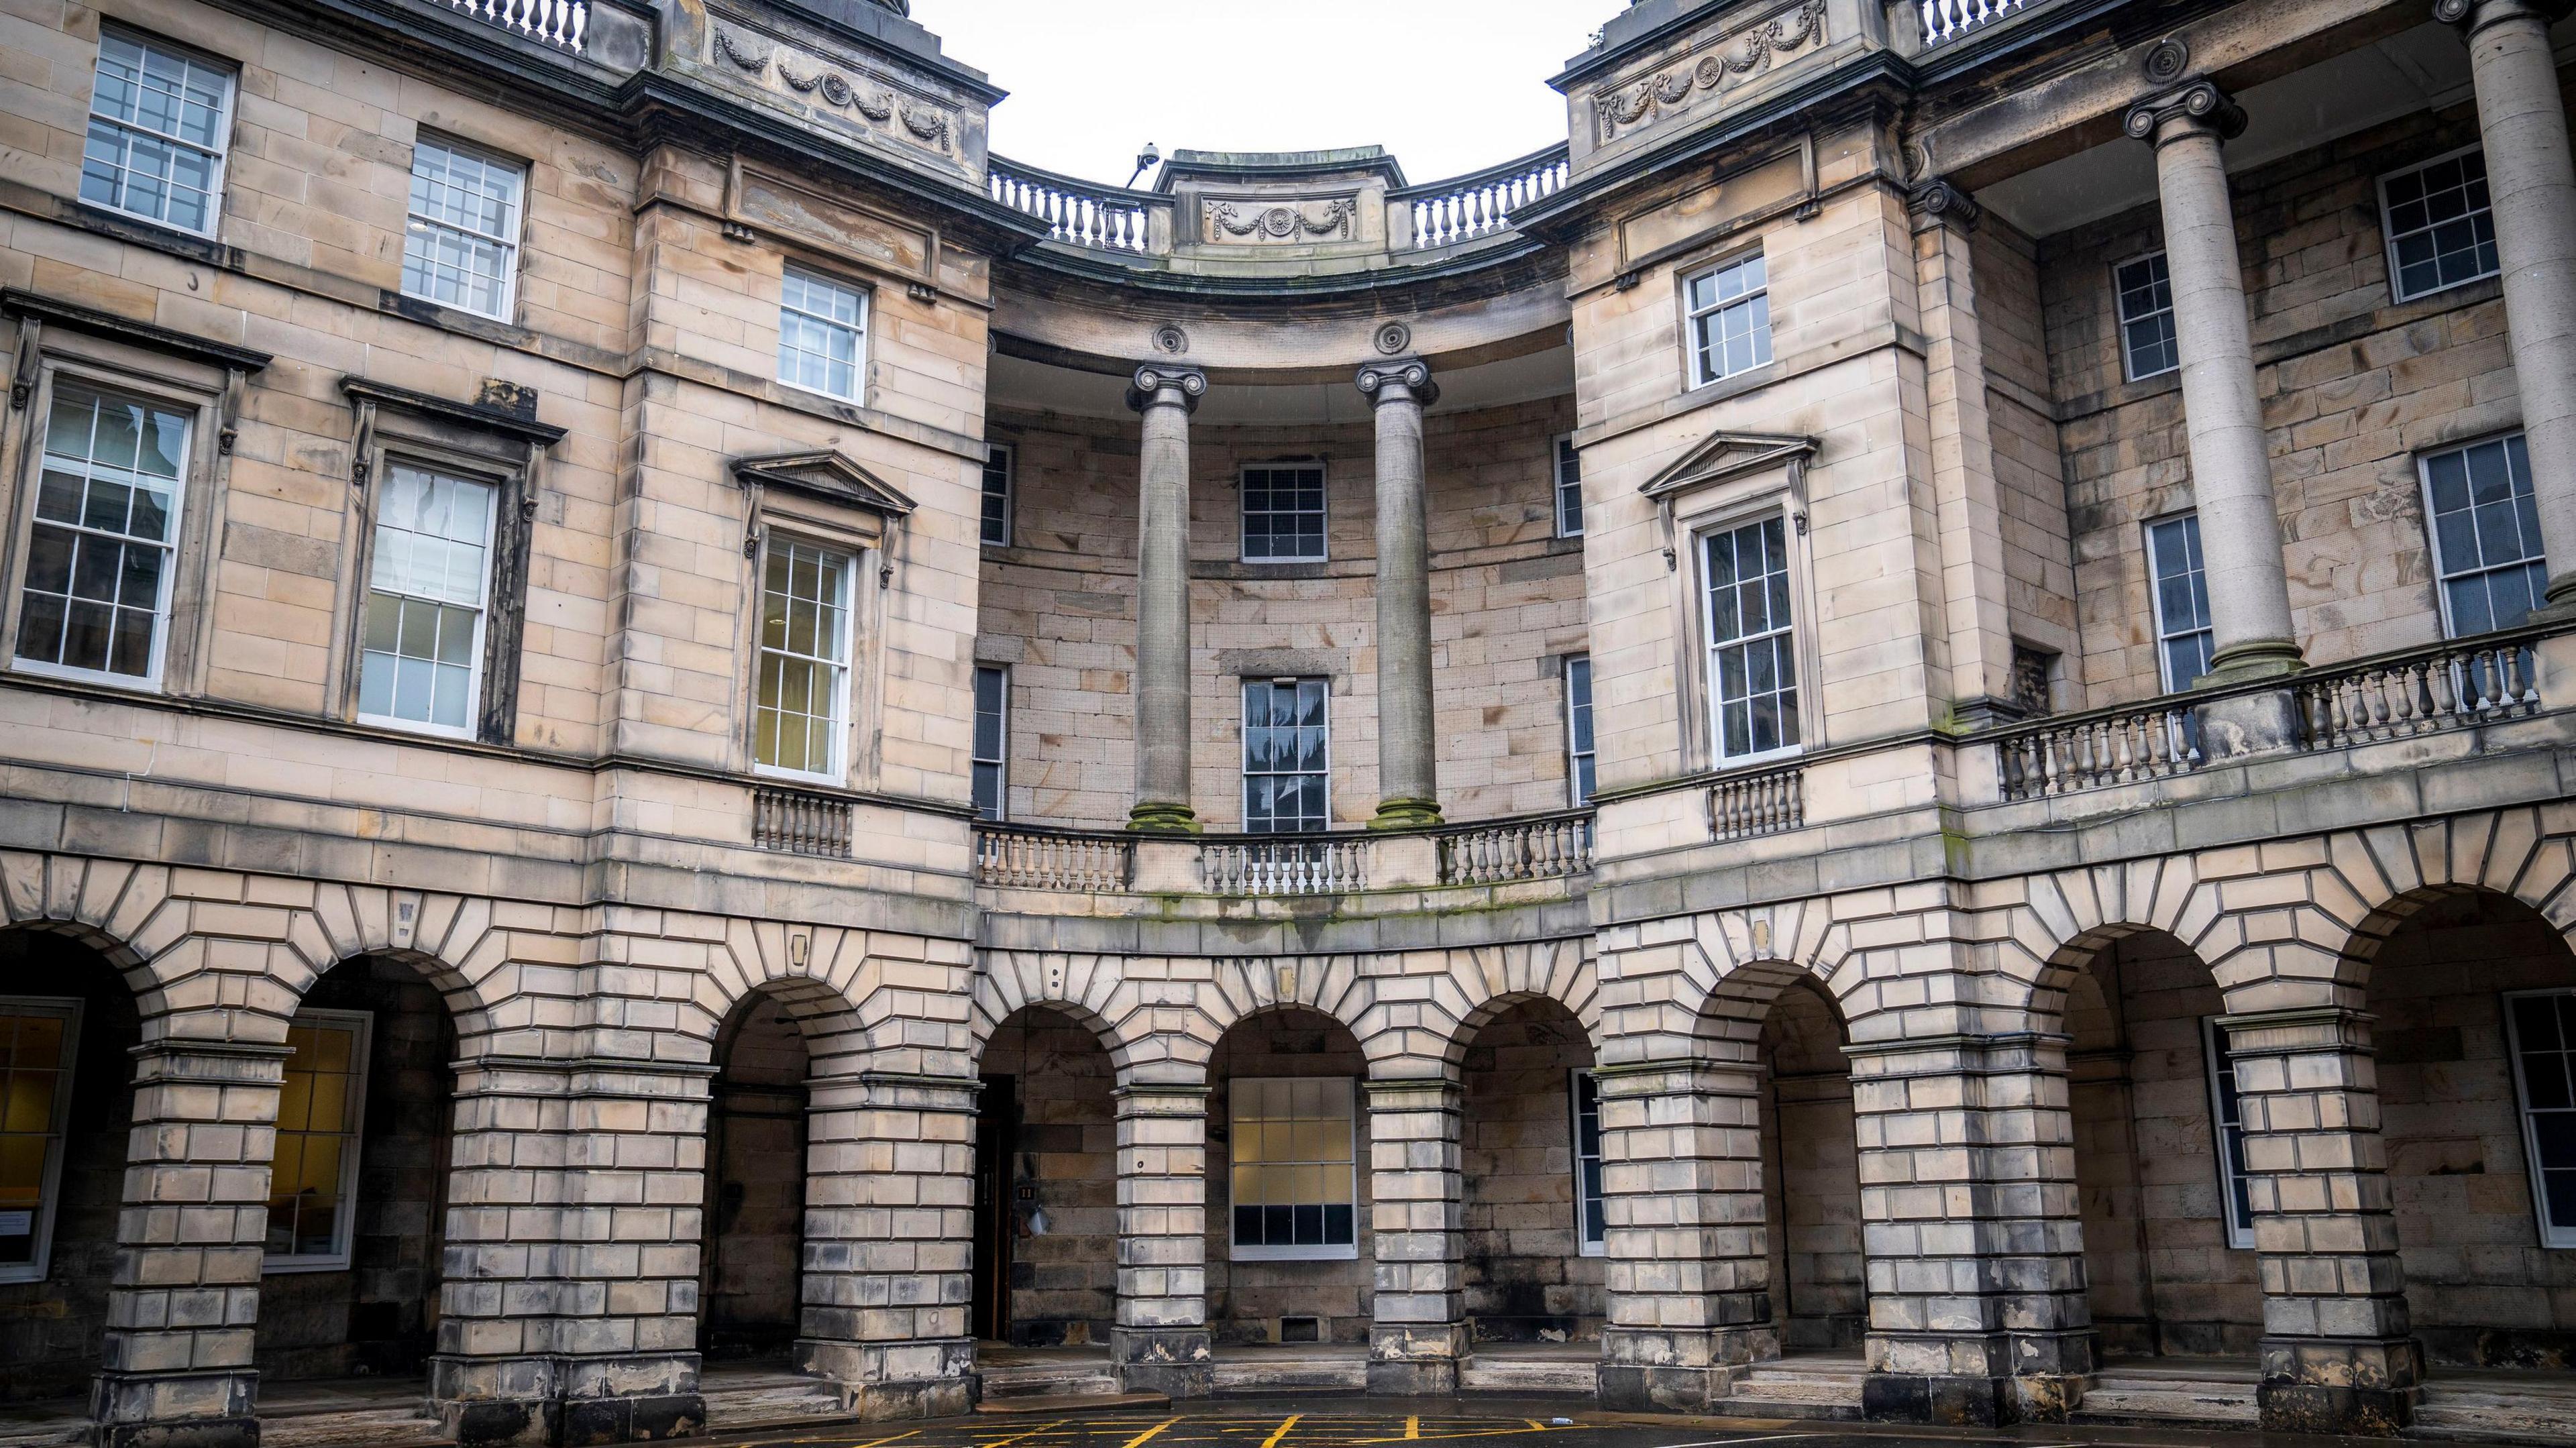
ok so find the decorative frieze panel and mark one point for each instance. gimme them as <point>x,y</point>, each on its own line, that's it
<point>1721,65</point>
<point>876,102</point>
<point>1276,221</point>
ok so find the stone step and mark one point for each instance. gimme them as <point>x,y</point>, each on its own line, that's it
<point>1292,1374</point>
<point>1073,1380</point>
<point>2482,1415</point>
<point>2149,1401</point>
<point>397,1427</point>
<point>800,1400</point>
<point>1578,1378</point>
<point>1069,1403</point>
<point>1830,1394</point>
<point>58,1433</point>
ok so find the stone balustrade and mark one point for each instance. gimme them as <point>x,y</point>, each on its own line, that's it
<point>1080,213</point>
<point>797,823</point>
<point>561,23</point>
<point>1043,859</point>
<point>1947,20</point>
<point>1534,847</point>
<point>1551,846</point>
<point>1482,203</point>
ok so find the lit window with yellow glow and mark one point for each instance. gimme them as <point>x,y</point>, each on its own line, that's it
<point>1294,1187</point>
<point>38,1037</point>
<point>313,1187</point>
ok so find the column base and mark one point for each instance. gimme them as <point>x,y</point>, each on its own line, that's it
<point>2347,1412</point>
<point>1406,814</point>
<point>1941,1401</point>
<point>2254,659</point>
<point>588,1421</point>
<point>176,1410</point>
<point>1163,818</point>
<point>1416,1360</point>
<point>2246,725</point>
<point>567,1402</point>
<point>1647,1370</point>
<point>2360,1387</point>
<point>1178,1362</point>
<point>895,1381</point>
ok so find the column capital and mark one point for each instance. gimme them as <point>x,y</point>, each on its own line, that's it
<point>2472,16</point>
<point>1164,384</point>
<point>1414,1093</point>
<point>2297,1030</point>
<point>1938,203</point>
<point>2196,107</point>
<point>1397,379</point>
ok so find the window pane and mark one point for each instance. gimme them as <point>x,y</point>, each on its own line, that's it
<point>157,130</point>
<point>99,561</point>
<point>1286,756</point>
<point>2181,597</point>
<point>804,658</point>
<point>2483,528</point>
<point>1752,646</point>
<point>317,1136</point>
<point>424,620</point>
<point>820,327</point>
<point>1283,513</point>
<point>1292,1145</point>
<point>2440,227</point>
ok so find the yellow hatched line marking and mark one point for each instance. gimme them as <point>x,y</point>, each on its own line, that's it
<point>1026,1433</point>
<point>1139,1441</point>
<point>1412,1428</point>
<point>1273,1440</point>
<point>1534,1427</point>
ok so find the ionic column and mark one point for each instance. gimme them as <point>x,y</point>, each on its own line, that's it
<point>1971,1228</point>
<point>2338,1354</point>
<point>2531,184</point>
<point>1417,1210</point>
<point>1407,753</point>
<point>1166,396</point>
<point>889,1242</point>
<point>1160,1342</point>
<point>175,1361</point>
<point>2231,471</point>
<point>1688,1275</point>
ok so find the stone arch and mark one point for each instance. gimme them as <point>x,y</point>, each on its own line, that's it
<point>1335,986</point>
<point>1169,1043</point>
<point>813,971</point>
<point>1484,983</point>
<point>2396,872</point>
<point>1678,975</point>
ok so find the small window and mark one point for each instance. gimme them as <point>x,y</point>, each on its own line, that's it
<point>2032,671</point>
<point>2147,345</point>
<point>2486,535</point>
<point>1591,1218</point>
<point>822,335</point>
<point>421,660</point>
<point>1569,488</point>
<point>999,459</point>
<point>2540,1029</point>
<point>2440,230</point>
<point>39,1039</point>
<point>159,123</point>
<point>2227,1117</point>
<point>992,743</point>
<point>102,547</point>
<point>1294,1193</point>
<point>802,706</point>
<point>1283,513</point>
<point>1753,656</point>
<point>1578,730</point>
<point>461,245</point>
<point>2183,638</point>
<point>313,1188</point>
<point>1730,320</point>
<point>1287,769</point>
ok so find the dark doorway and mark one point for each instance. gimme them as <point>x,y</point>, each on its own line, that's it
<point>997,1112</point>
<point>755,1220</point>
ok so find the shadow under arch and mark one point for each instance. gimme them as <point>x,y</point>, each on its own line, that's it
<point>1532,1214</point>
<point>1045,1262</point>
<point>1290,1245</point>
<point>1810,1158</point>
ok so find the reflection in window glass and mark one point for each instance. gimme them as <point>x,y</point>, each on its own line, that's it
<point>99,558</point>
<point>2440,231</point>
<point>157,132</point>
<point>422,657</point>
<point>1293,1163</point>
<point>2184,641</point>
<point>1287,770</point>
<point>1730,320</point>
<point>1592,1218</point>
<point>2486,534</point>
<point>821,326</point>
<point>992,741</point>
<point>318,1112</point>
<point>1753,665</point>
<point>2147,343</point>
<point>2542,1030</point>
<point>2227,1116</point>
<point>804,658</point>
<point>461,245</point>
<point>1578,729</point>
<point>1283,514</point>
<point>38,1039</point>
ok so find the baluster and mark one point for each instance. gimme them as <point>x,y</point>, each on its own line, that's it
<point>2524,681</point>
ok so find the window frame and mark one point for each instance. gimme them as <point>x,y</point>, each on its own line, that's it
<point>1691,319</point>
<point>1705,604</point>
<point>1001,761</point>
<point>1578,797</point>
<point>2433,533</point>
<point>1008,456</point>
<point>2551,1237</point>
<point>221,172</point>
<point>514,247</point>
<point>345,1215</point>
<point>2219,1077</point>
<point>1585,1244</point>
<point>1314,1252</point>
<point>864,327</point>
<point>399,458</point>
<point>772,538</point>
<point>1563,454</point>
<point>184,505</point>
<point>2156,597</point>
<point>1243,750</point>
<point>2388,237</point>
<point>73,1011</point>
<point>1323,514</point>
<point>2121,320</point>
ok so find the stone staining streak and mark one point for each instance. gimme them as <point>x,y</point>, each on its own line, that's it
<point>1286,222</point>
<point>1633,105</point>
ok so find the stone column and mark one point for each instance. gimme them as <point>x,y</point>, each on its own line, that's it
<point>2338,1355</point>
<point>1689,1260</point>
<point>1161,1342</point>
<point>1971,1228</point>
<point>1166,396</point>
<point>889,1242</point>
<point>1417,1208</point>
<point>2522,122</point>
<point>175,1361</point>
<point>2231,472</point>
<point>1407,753</point>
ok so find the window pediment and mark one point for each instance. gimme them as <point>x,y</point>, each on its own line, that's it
<point>826,474</point>
<point>1723,457</point>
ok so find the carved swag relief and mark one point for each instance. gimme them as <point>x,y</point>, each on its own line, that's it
<point>1634,106</point>
<point>1332,219</point>
<point>871,98</point>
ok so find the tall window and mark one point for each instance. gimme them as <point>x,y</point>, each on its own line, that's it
<point>2227,1116</point>
<point>804,660</point>
<point>1294,1195</point>
<point>2540,1029</point>
<point>102,552</point>
<point>2183,638</point>
<point>1569,488</point>
<point>2440,230</point>
<point>2147,345</point>
<point>1753,664</point>
<point>992,742</point>
<point>1287,769</point>
<point>999,459</point>
<point>461,246</point>
<point>39,1037</point>
<point>1283,513</point>
<point>1730,320</point>
<point>2486,534</point>
<point>822,332</point>
<point>1578,729</point>
<point>421,661</point>
<point>159,123</point>
<point>312,1190</point>
<point>1591,1219</point>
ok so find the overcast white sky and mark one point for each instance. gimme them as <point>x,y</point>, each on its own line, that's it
<point>1448,86</point>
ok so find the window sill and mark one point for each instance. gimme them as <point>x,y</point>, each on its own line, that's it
<point>121,683</point>
<point>289,1266</point>
<point>1350,1253</point>
<point>417,727</point>
<point>772,775</point>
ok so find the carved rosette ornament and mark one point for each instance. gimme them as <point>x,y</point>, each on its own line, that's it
<point>1392,338</point>
<point>1632,104</point>
<point>2201,105</point>
<point>1292,221</point>
<point>1404,379</point>
<point>1166,384</point>
<point>1171,340</point>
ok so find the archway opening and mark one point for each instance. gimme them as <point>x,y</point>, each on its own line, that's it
<point>751,1262</point>
<point>1046,1228</point>
<point>2168,1237</point>
<point>1290,1249</point>
<point>1811,1175</point>
<point>1531,1155</point>
<point>68,1026</point>
<point>2474,1005</point>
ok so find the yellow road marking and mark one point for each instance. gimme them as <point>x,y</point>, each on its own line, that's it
<point>1028,1433</point>
<point>1273,1440</point>
<point>1477,1433</point>
<point>1412,1428</point>
<point>1139,1441</point>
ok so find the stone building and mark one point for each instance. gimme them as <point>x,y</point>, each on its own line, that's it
<point>1884,740</point>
